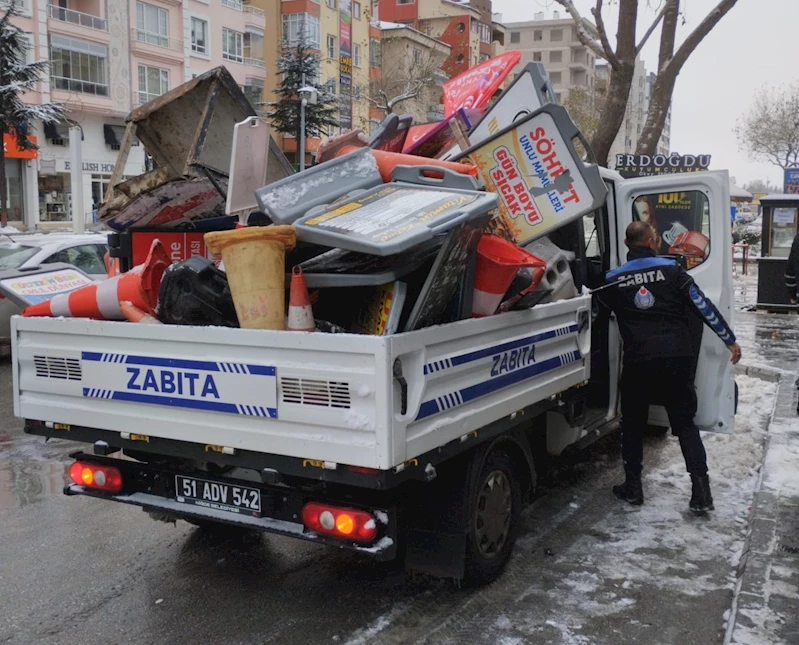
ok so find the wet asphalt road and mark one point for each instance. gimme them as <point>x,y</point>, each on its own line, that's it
<point>78,570</point>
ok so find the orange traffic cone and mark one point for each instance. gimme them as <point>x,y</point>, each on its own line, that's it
<point>111,265</point>
<point>101,300</point>
<point>136,315</point>
<point>300,312</point>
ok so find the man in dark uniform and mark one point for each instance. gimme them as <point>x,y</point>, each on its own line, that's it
<point>653,299</point>
<point>792,270</point>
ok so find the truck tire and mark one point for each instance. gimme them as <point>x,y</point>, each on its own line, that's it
<point>494,517</point>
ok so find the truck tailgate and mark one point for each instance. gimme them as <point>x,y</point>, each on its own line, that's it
<point>328,397</point>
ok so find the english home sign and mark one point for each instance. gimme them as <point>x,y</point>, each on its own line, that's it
<point>92,166</point>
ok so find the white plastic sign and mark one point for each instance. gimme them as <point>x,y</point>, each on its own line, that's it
<point>247,164</point>
<point>42,286</point>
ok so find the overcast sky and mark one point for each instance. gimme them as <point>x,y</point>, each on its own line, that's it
<point>754,44</point>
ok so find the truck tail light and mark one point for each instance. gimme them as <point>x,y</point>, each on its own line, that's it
<point>346,523</point>
<point>105,478</point>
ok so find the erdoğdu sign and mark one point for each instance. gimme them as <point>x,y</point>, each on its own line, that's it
<point>475,87</point>
<point>541,181</point>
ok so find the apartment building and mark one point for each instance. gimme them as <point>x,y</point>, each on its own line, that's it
<point>555,44</point>
<point>471,30</point>
<point>408,55</point>
<point>107,57</point>
<point>339,31</point>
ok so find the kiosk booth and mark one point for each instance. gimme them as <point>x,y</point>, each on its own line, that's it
<point>780,225</point>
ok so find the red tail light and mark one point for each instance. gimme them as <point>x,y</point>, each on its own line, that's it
<point>105,478</point>
<point>346,523</point>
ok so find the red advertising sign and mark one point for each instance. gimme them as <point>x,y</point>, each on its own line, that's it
<point>475,87</point>
<point>180,246</point>
<point>417,133</point>
<point>13,152</point>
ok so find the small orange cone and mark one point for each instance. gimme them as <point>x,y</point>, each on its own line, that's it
<point>101,300</point>
<point>300,312</point>
<point>136,315</point>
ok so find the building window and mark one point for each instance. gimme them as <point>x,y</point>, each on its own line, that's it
<point>374,52</point>
<point>199,36</point>
<point>331,47</point>
<point>556,57</point>
<point>296,23</point>
<point>356,55</point>
<point>460,59</point>
<point>152,24</point>
<point>233,4</point>
<point>232,45</point>
<point>555,77</point>
<point>253,89</point>
<point>356,92</point>
<point>254,47</point>
<point>356,10</point>
<point>460,27</point>
<point>331,3</point>
<point>538,34</point>
<point>515,37</point>
<point>405,1</point>
<point>537,57</point>
<point>153,82</point>
<point>485,33</point>
<point>556,35</point>
<point>416,54</point>
<point>78,66</point>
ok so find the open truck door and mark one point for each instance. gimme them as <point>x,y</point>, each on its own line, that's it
<point>691,213</point>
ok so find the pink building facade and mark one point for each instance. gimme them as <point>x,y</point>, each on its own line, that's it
<point>107,57</point>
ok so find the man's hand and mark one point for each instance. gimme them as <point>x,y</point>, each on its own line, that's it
<point>793,301</point>
<point>735,350</point>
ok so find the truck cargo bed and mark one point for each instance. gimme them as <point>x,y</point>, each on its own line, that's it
<point>329,397</point>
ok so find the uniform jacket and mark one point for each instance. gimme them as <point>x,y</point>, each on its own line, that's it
<point>654,299</point>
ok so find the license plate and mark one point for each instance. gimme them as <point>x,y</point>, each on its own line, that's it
<point>218,496</point>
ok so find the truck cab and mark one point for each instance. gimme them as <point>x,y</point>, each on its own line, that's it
<point>690,213</point>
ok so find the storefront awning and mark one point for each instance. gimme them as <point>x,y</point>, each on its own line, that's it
<point>58,131</point>
<point>114,134</point>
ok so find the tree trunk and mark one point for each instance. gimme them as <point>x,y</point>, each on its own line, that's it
<point>613,112</point>
<point>621,79</point>
<point>3,185</point>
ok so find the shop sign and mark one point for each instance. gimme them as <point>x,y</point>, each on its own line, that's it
<point>92,166</point>
<point>791,185</point>
<point>13,152</point>
<point>647,165</point>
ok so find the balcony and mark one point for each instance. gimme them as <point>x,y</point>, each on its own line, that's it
<point>75,85</point>
<point>579,62</point>
<point>255,62</point>
<point>77,18</point>
<point>156,46</point>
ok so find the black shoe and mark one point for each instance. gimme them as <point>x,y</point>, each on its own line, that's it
<point>631,491</point>
<point>701,499</point>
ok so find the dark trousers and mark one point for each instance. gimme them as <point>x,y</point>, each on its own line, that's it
<point>667,382</point>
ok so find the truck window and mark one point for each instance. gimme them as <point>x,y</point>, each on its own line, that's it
<point>681,222</point>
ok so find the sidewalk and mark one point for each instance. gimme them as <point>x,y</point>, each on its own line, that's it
<point>766,601</point>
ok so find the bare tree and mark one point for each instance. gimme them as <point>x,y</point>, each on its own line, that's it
<point>670,63</point>
<point>621,61</point>
<point>407,74</point>
<point>770,129</point>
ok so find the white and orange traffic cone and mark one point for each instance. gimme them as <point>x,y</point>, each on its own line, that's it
<point>133,314</point>
<point>300,311</point>
<point>498,261</point>
<point>101,300</point>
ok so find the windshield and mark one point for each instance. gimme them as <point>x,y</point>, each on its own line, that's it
<point>13,255</point>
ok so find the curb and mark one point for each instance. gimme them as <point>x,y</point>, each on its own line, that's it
<point>784,379</point>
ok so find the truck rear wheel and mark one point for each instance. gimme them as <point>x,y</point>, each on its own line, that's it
<point>494,516</point>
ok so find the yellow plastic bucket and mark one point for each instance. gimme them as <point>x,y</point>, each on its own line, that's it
<point>254,260</point>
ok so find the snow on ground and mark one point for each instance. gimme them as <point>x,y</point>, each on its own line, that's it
<point>661,549</point>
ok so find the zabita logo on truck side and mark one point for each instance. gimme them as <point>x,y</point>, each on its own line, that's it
<point>234,388</point>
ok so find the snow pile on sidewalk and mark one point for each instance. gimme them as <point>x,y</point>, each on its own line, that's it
<point>661,552</point>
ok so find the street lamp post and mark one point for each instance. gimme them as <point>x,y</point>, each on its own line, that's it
<point>308,96</point>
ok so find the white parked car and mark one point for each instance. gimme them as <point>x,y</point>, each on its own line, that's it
<point>23,250</point>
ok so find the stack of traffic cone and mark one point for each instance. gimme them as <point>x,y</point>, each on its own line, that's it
<point>300,311</point>
<point>101,300</point>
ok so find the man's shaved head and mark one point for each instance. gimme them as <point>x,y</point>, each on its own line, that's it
<point>639,235</point>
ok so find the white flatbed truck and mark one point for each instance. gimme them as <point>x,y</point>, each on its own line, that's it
<point>420,445</point>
